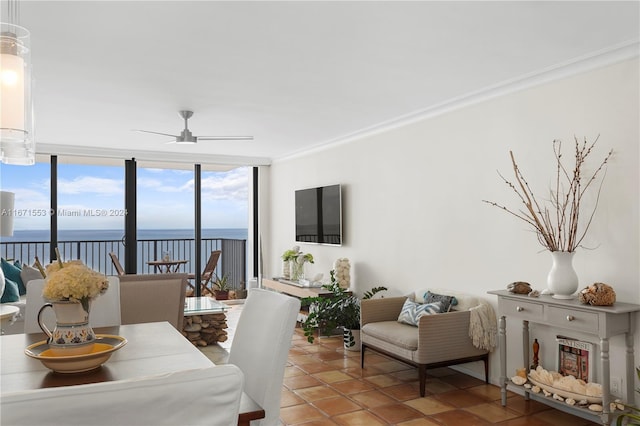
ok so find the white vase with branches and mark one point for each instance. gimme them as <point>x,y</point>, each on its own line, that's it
<point>558,223</point>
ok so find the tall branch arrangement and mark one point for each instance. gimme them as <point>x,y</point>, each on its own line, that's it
<point>556,221</point>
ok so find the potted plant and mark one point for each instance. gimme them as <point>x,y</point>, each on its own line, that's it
<point>340,309</point>
<point>287,257</point>
<point>221,287</point>
<point>559,220</point>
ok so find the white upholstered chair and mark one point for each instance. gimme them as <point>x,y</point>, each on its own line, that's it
<point>207,396</point>
<point>153,297</point>
<point>260,347</point>
<point>105,309</point>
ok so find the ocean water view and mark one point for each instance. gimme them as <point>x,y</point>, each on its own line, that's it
<point>118,234</point>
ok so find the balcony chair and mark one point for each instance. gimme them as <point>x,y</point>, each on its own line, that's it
<point>182,398</point>
<point>265,326</point>
<point>105,309</point>
<point>153,297</point>
<point>208,274</point>
<point>116,264</point>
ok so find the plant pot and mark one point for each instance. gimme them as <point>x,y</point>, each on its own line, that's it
<point>221,294</point>
<point>241,293</point>
<point>296,272</point>
<point>351,339</point>
<point>286,269</point>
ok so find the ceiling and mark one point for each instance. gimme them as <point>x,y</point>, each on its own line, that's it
<point>295,75</point>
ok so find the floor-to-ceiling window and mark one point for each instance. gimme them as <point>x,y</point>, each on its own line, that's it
<point>90,212</point>
<point>90,206</point>
<point>31,211</point>
<point>165,213</point>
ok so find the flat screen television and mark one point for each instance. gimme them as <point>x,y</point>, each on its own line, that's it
<point>319,215</point>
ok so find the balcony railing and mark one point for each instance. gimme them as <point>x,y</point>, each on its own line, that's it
<point>95,254</point>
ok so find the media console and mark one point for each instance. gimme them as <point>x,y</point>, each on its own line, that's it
<point>297,290</point>
<point>293,289</point>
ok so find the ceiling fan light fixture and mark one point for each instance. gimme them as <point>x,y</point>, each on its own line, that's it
<point>17,145</point>
<point>186,138</point>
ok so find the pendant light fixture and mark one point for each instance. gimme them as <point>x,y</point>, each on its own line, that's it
<point>17,145</point>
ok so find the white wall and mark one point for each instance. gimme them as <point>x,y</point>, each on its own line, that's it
<point>413,215</point>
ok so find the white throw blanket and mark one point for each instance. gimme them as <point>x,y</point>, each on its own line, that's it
<point>483,327</point>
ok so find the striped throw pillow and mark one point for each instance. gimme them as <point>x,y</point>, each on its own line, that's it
<point>412,311</point>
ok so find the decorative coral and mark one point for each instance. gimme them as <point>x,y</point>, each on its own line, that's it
<point>597,294</point>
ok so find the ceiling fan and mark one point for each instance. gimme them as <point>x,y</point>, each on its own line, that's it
<point>186,137</point>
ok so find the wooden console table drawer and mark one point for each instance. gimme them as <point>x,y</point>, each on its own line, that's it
<point>529,311</point>
<point>573,319</point>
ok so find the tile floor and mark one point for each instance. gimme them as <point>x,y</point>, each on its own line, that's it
<point>324,385</point>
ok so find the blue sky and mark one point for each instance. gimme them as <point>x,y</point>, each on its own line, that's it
<point>92,197</point>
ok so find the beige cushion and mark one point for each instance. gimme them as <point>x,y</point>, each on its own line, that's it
<point>28,273</point>
<point>398,334</point>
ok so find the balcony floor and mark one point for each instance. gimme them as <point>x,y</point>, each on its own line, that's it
<point>324,385</point>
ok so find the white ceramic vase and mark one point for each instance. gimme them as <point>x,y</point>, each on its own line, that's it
<point>562,281</point>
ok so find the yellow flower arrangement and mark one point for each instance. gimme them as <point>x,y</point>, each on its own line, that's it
<point>73,281</point>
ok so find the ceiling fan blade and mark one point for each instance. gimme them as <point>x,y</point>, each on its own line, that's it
<point>155,133</point>
<point>225,138</point>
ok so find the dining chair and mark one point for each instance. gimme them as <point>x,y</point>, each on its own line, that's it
<point>104,312</point>
<point>116,263</point>
<point>260,347</point>
<point>207,274</point>
<point>153,297</point>
<point>182,398</point>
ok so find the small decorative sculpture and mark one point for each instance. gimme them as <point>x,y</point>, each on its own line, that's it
<point>343,272</point>
<point>536,350</point>
<point>597,294</point>
<point>518,380</point>
<point>519,287</point>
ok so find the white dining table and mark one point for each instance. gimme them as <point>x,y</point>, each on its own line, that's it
<point>151,349</point>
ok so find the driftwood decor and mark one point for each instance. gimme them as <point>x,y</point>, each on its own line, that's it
<point>204,330</point>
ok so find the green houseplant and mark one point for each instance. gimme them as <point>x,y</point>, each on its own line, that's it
<point>221,287</point>
<point>339,309</point>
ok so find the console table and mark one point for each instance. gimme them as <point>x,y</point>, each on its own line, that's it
<point>601,321</point>
<point>293,289</point>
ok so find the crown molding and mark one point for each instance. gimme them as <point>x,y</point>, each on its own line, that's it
<point>594,60</point>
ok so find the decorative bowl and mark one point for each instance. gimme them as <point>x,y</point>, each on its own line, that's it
<point>567,394</point>
<point>104,346</point>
